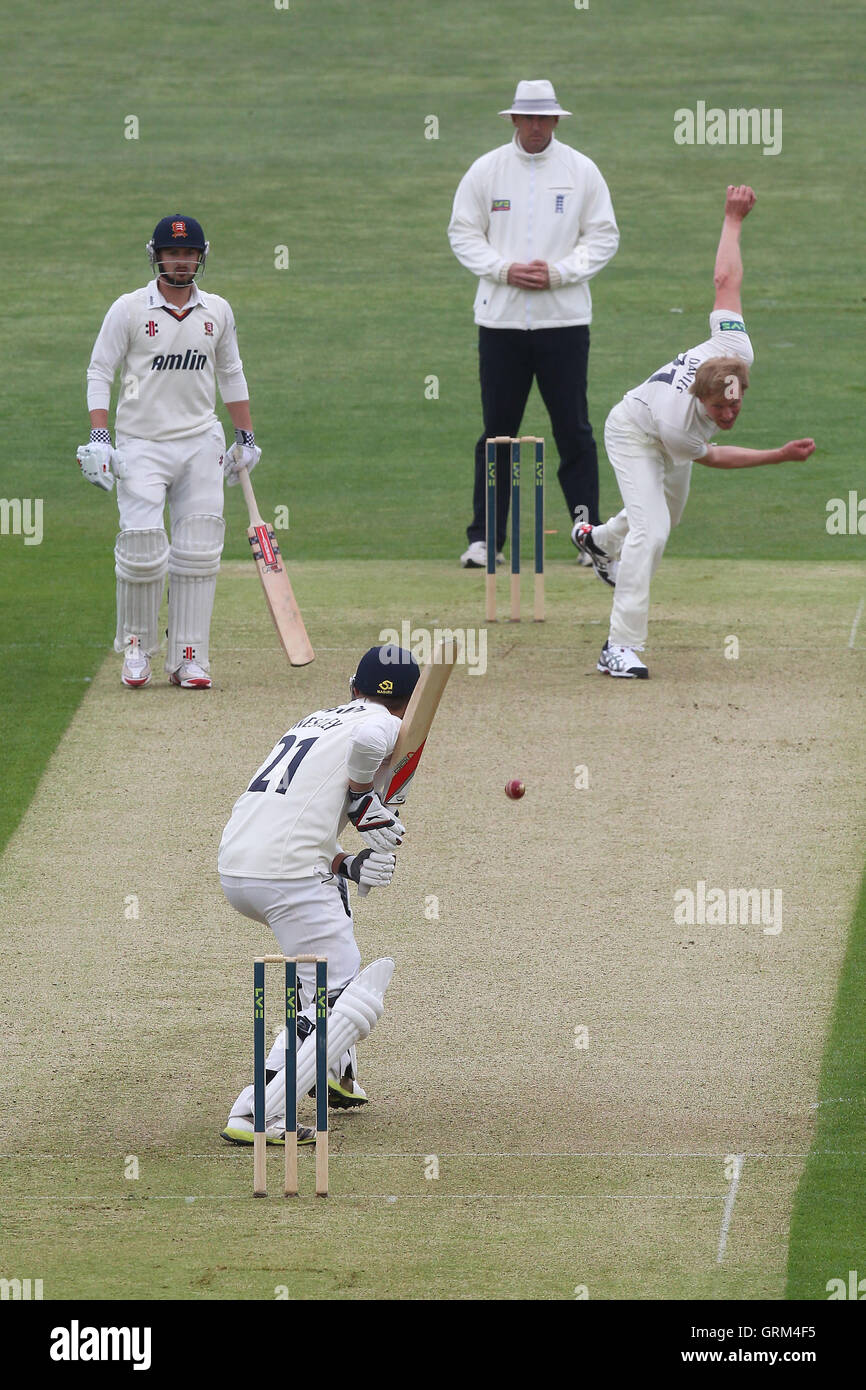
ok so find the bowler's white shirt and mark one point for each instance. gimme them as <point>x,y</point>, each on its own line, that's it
<point>663,407</point>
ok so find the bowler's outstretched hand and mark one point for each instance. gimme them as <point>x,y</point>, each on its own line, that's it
<point>739,201</point>
<point>796,450</point>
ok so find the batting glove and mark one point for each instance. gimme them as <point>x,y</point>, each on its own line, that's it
<point>95,459</point>
<point>370,868</point>
<point>242,454</point>
<point>378,826</point>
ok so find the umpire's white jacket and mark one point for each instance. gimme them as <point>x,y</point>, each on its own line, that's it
<point>554,207</point>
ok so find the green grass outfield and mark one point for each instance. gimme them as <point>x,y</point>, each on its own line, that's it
<point>305,128</point>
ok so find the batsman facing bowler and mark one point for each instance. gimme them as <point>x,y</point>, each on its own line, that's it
<point>280,860</point>
<point>172,344</point>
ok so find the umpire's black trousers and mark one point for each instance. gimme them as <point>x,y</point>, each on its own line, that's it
<point>557,358</point>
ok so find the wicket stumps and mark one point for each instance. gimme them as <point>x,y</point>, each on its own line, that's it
<point>538,489</point>
<point>260,1180</point>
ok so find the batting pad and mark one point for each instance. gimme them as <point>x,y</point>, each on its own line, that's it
<point>140,563</point>
<point>353,1017</point>
<point>193,564</point>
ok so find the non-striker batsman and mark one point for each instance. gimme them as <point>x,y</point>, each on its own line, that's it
<point>172,344</point>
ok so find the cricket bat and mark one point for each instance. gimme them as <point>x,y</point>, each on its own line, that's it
<point>275,582</point>
<point>416,724</point>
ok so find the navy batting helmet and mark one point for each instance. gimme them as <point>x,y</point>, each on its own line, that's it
<point>177,230</point>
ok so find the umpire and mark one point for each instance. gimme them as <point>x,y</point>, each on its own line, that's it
<point>534,221</point>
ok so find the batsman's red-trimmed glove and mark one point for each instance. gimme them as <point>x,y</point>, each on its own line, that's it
<point>378,826</point>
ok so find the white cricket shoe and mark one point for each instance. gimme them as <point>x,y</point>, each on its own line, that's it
<point>136,665</point>
<point>240,1124</point>
<point>592,554</point>
<point>190,676</point>
<point>621,661</point>
<point>475,558</point>
<point>241,1131</point>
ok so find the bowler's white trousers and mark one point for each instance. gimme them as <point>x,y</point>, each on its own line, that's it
<point>654,491</point>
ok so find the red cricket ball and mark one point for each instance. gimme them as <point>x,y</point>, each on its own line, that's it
<point>514,789</point>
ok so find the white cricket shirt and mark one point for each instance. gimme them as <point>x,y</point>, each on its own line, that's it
<point>663,407</point>
<point>286,824</point>
<point>169,360</point>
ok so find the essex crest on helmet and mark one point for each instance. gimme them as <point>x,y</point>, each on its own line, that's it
<point>173,231</point>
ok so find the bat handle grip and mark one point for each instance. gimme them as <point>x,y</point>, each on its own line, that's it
<point>249,497</point>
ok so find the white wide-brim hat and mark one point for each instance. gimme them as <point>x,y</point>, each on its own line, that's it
<point>535,99</point>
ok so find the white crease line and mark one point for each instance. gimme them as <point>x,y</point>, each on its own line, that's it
<point>190,1198</point>
<point>729,1207</point>
<point>857,616</point>
<point>162,1157</point>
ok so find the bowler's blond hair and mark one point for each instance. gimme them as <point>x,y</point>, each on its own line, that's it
<point>715,379</point>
